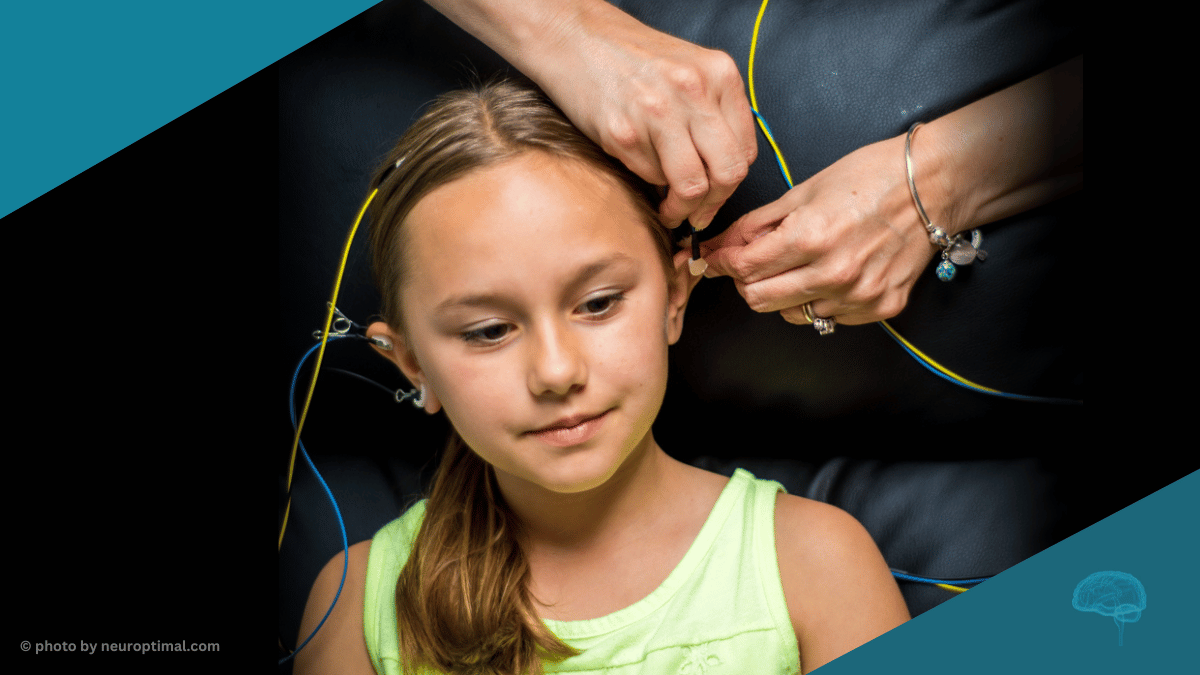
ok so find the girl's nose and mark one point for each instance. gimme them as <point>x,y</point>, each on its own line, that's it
<point>557,364</point>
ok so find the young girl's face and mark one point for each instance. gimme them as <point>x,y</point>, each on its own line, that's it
<point>537,313</point>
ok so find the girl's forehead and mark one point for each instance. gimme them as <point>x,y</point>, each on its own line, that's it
<point>533,213</point>
<point>531,183</point>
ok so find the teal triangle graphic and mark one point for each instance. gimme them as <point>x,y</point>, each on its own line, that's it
<point>82,80</point>
<point>1023,621</point>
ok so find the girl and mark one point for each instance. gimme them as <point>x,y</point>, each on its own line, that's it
<point>530,293</point>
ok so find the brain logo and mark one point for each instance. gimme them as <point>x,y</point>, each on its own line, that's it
<point>1114,594</point>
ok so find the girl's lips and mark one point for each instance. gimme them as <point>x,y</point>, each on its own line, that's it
<point>566,436</point>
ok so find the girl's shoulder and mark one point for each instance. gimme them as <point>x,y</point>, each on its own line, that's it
<point>338,646</point>
<point>839,590</point>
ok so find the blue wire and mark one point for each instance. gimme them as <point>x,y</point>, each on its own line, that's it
<point>328,492</point>
<point>926,580</point>
<point>778,159</point>
<point>1001,394</point>
<point>296,376</point>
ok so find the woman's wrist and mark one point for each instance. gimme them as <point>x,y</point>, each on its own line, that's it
<point>521,31</point>
<point>561,44</point>
<point>934,173</point>
<point>1006,153</point>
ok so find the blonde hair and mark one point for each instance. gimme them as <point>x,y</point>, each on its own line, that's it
<point>463,600</point>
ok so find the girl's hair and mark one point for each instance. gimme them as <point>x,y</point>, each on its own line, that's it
<point>463,599</point>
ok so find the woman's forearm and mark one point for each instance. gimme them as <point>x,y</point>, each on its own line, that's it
<point>521,31</point>
<point>1009,152</point>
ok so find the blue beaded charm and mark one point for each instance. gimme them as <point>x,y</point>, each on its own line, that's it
<point>946,270</point>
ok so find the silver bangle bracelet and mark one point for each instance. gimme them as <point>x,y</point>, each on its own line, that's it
<point>955,250</point>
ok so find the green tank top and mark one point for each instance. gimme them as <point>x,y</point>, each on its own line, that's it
<point>720,611</point>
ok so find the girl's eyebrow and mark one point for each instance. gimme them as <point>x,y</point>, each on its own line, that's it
<point>579,278</point>
<point>585,273</point>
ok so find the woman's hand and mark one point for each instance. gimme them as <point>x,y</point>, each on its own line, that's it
<point>675,113</point>
<point>848,240</point>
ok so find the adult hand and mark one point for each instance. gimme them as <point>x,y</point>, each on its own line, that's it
<point>848,240</point>
<point>675,113</point>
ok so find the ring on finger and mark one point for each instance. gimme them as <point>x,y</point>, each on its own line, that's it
<point>808,312</point>
<point>824,326</point>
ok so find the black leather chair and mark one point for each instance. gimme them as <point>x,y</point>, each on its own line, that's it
<point>950,482</point>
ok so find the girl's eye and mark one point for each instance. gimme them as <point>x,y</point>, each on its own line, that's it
<point>488,335</point>
<point>602,306</point>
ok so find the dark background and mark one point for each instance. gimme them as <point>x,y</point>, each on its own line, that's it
<point>160,312</point>
<point>143,439</point>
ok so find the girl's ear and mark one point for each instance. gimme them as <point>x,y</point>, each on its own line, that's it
<point>393,347</point>
<point>679,289</point>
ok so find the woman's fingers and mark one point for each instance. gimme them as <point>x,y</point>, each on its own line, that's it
<point>686,177</point>
<point>846,240</point>
<point>759,245</point>
<point>673,112</point>
<point>703,133</point>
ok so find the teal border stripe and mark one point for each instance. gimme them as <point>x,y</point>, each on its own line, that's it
<point>79,81</point>
<point>1022,621</point>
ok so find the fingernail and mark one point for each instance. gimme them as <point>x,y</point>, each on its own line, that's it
<point>697,266</point>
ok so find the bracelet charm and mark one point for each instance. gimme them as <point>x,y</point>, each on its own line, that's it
<point>955,250</point>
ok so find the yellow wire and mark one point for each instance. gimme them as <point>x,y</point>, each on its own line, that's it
<point>783,164</point>
<point>312,385</point>
<point>754,102</point>
<point>935,364</point>
<point>753,47</point>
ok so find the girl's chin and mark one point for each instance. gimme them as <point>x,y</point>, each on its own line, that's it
<point>567,475</point>
<point>584,476</point>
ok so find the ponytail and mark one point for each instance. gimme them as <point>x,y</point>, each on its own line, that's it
<point>463,602</point>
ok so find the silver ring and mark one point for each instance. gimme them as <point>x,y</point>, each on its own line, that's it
<point>808,312</point>
<point>824,326</point>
